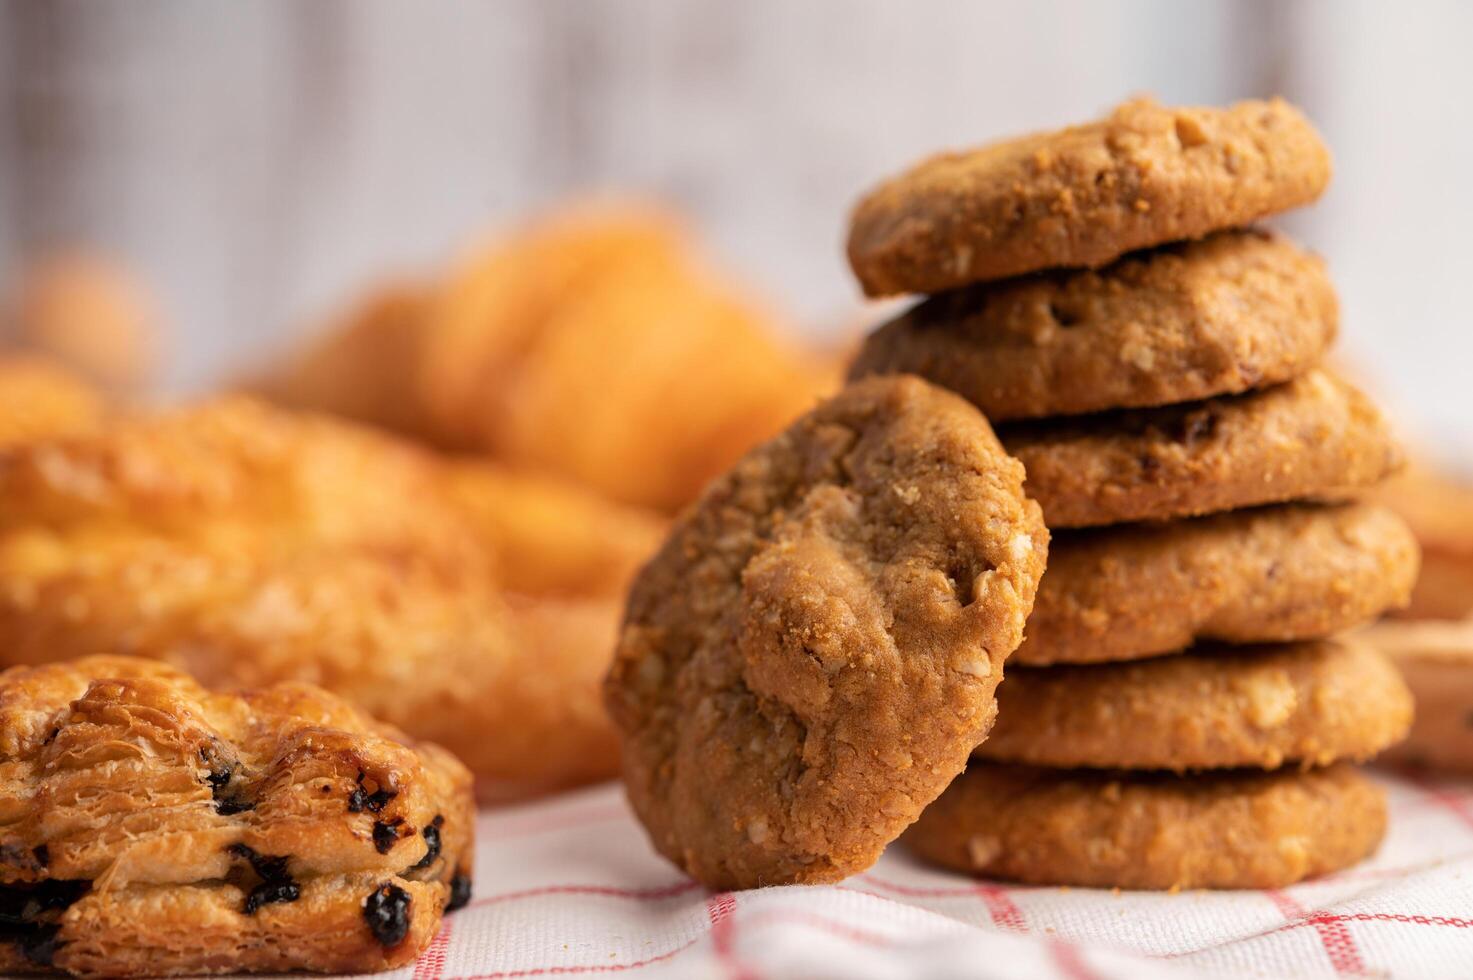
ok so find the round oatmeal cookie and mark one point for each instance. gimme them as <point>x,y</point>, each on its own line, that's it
<point>1081,197</point>
<point>156,828</point>
<point>1436,658</point>
<point>1310,703</point>
<point>1314,438</point>
<point>1291,572</point>
<point>1152,831</point>
<point>1240,310</point>
<point>811,656</point>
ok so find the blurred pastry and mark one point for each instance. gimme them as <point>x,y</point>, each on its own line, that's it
<point>1439,508</point>
<point>362,365</point>
<point>155,828</point>
<point>39,400</point>
<point>1436,658</point>
<point>87,312</point>
<point>551,537</point>
<point>249,545</point>
<point>593,345</point>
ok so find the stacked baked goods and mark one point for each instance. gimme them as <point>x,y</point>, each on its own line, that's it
<point>1181,713</point>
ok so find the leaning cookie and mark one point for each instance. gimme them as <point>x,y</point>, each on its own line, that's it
<point>1239,829</point>
<point>1238,311</point>
<point>1314,438</point>
<point>811,656</point>
<point>1081,197</point>
<point>1213,708</point>
<point>155,828</point>
<point>1436,658</point>
<point>1272,574</point>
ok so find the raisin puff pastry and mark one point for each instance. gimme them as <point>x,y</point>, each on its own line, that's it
<point>149,827</point>
<point>248,545</point>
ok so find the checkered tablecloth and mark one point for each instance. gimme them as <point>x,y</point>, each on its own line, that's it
<point>570,887</point>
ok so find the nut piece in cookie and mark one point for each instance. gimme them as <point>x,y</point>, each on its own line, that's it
<point>1211,708</point>
<point>1314,438</point>
<point>156,828</point>
<point>1081,197</point>
<point>810,657</point>
<point>1238,311</point>
<point>1264,575</point>
<point>1238,829</point>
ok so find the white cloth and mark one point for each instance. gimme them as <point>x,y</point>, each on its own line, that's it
<point>570,887</point>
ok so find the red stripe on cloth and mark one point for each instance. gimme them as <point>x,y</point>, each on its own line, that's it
<point>1333,931</point>
<point>721,911</point>
<point>651,894</point>
<point>1070,960</point>
<point>1004,911</point>
<point>431,963</point>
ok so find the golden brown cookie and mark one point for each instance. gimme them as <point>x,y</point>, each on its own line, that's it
<point>1436,659</point>
<point>1439,507</point>
<point>154,828</point>
<point>1238,311</point>
<point>1238,829</point>
<point>1315,438</point>
<point>1291,572</point>
<point>249,545</point>
<point>39,400</point>
<point>1081,197</point>
<point>1212,708</point>
<point>809,659</point>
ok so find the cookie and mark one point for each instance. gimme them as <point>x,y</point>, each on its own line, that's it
<point>1291,572</point>
<point>1155,831</point>
<point>248,546</point>
<point>1081,197</point>
<point>155,828</point>
<point>1237,311</point>
<point>39,400</point>
<point>809,659</point>
<point>1314,438</point>
<point>1212,708</point>
<point>1439,507</point>
<point>1436,659</point>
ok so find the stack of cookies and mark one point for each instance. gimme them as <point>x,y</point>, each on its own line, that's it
<point>1180,715</point>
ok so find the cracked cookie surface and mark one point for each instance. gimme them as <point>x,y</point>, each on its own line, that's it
<point>1081,197</point>
<point>1238,829</point>
<point>149,826</point>
<point>1309,703</point>
<point>810,657</point>
<point>1314,438</point>
<point>1267,575</point>
<point>1238,311</point>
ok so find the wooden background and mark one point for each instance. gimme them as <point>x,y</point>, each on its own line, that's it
<point>258,163</point>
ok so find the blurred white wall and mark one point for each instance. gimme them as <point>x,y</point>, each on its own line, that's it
<point>259,163</point>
